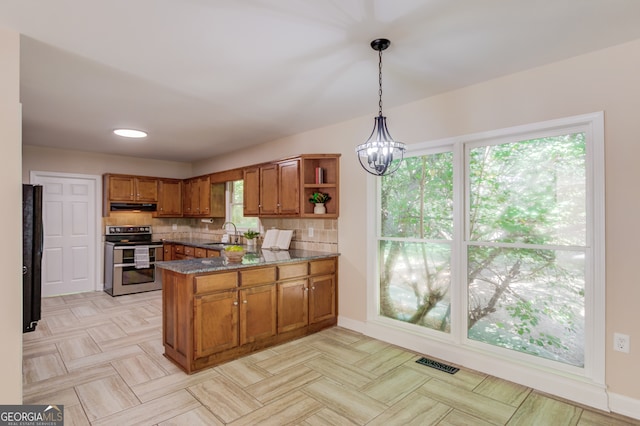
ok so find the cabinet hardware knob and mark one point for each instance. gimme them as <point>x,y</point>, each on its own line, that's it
<point>244,301</point>
<point>306,289</point>
<point>313,288</point>
<point>235,303</point>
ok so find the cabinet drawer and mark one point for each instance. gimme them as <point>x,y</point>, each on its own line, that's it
<point>179,249</point>
<point>293,270</point>
<point>323,267</point>
<point>200,252</point>
<point>214,282</point>
<point>213,253</point>
<point>189,251</point>
<point>258,276</point>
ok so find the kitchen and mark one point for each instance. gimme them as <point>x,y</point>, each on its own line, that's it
<point>489,105</point>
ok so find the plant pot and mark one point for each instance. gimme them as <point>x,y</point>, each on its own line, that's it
<point>319,208</point>
<point>251,243</point>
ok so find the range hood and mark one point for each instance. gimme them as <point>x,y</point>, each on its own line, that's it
<point>133,207</point>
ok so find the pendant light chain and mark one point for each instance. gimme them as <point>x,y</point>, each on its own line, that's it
<point>380,83</point>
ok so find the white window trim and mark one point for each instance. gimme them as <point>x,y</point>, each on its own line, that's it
<point>584,385</point>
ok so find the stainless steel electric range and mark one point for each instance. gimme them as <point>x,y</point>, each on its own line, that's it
<point>130,255</point>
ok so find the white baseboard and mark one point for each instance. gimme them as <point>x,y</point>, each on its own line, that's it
<point>578,389</point>
<point>624,405</point>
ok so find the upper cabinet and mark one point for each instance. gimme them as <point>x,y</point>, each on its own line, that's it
<point>202,198</point>
<point>320,173</point>
<point>279,189</point>
<point>131,188</point>
<point>283,188</point>
<point>169,198</point>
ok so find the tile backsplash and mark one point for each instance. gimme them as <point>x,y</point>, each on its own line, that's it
<point>309,234</point>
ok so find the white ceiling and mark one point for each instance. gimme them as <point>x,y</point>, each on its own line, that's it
<point>205,77</point>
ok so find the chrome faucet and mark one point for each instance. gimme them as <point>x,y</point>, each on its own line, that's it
<point>235,231</point>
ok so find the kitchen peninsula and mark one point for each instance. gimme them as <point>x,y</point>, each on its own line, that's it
<point>215,311</point>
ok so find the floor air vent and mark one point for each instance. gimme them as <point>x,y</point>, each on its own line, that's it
<point>438,365</point>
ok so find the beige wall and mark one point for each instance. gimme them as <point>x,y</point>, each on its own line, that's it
<point>602,81</point>
<point>11,189</point>
<point>35,158</point>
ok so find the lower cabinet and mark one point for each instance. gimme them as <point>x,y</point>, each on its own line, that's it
<point>215,317</point>
<point>293,305</point>
<point>215,325</point>
<point>257,313</point>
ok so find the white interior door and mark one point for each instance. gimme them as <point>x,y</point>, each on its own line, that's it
<point>70,232</point>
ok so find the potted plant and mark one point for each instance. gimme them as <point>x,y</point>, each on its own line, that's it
<point>319,198</point>
<point>250,236</point>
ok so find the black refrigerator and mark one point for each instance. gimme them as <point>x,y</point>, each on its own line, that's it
<point>32,241</point>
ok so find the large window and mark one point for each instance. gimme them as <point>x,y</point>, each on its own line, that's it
<point>507,223</point>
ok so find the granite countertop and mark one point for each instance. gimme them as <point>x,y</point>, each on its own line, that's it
<point>251,258</point>
<point>197,242</point>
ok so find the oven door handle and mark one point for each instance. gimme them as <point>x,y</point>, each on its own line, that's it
<point>132,247</point>
<point>123,265</point>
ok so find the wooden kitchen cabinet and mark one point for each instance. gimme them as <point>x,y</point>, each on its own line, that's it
<point>293,305</point>
<point>251,194</point>
<point>283,188</point>
<point>307,300</point>
<point>329,184</point>
<point>213,317</point>
<point>167,251</point>
<point>203,199</point>
<point>226,319</point>
<point>131,188</point>
<point>169,198</point>
<point>272,189</point>
<point>215,326</point>
<point>258,309</point>
<point>322,298</point>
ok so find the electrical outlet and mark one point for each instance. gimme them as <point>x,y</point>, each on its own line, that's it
<point>621,342</point>
<point>174,227</point>
<point>311,232</point>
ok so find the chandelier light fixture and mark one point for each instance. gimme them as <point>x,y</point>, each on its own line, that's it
<point>376,155</point>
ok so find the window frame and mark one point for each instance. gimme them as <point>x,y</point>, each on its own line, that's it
<point>593,127</point>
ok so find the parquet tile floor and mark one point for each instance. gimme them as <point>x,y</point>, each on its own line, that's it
<point>102,358</point>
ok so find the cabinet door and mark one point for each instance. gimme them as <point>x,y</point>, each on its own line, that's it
<point>218,203</point>
<point>215,323</point>
<point>121,188</point>
<point>293,304</point>
<point>322,298</point>
<point>204,196</point>
<point>146,189</point>
<point>289,188</point>
<point>167,251</point>
<point>195,197</point>
<point>257,313</point>
<point>169,198</point>
<point>186,198</point>
<point>251,195</point>
<point>269,190</point>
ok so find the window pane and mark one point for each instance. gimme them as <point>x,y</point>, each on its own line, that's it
<point>237,208</point>
<point>414,283</point>
<point>237,193</point>
<point>532,191</point>
<point>527,300</point>
<point>417,200</point>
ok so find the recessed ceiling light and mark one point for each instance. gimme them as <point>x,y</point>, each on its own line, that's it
<point>130,133</point>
